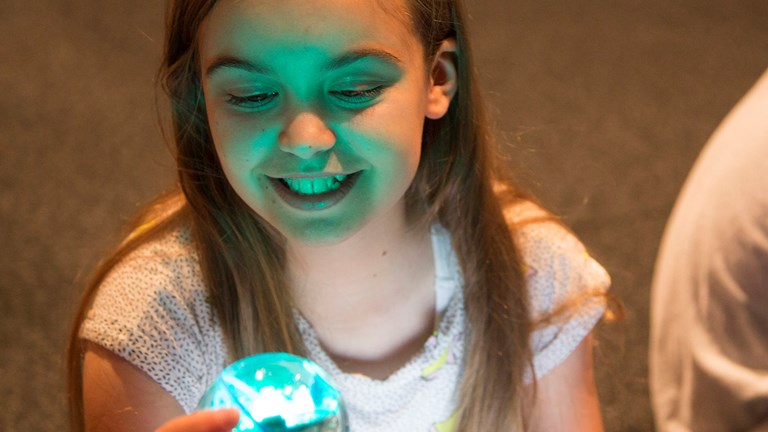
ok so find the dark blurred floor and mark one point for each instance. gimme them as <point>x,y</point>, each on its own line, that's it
<point>605,105</point>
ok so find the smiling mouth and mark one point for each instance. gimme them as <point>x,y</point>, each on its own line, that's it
<point>314,193</point>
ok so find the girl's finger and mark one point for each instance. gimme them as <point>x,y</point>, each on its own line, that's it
<point>222,420</point>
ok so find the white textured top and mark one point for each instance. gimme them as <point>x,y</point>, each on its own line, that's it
<point>152,310</point>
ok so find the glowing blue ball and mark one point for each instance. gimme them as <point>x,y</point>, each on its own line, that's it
<point>278,392</point>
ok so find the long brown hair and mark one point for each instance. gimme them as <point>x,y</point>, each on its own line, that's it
<point>243,258</point>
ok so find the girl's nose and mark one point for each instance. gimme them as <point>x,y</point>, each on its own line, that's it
<point>306,135</point>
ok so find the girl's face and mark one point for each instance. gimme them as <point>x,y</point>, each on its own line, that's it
<point>316,109</point>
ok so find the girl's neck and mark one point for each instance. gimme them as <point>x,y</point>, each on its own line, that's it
<point>382,247</point>
<point>371,297</point>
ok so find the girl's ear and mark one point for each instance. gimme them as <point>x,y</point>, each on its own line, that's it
<point>443,80</point>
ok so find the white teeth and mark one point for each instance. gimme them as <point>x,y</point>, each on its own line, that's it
<point>314,186</point>
<point>305,186</point>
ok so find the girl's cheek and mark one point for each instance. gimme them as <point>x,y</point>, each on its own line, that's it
<point>230,127</point>
<point>231,141</point>
<point>388,119</point>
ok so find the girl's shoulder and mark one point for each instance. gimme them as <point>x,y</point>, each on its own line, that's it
<point>556,263</point>
<point>567,287</point>
<point>163,266</point>
<point>523,211</point>
<point>153,310</point>
<point>538,234</point>
<point>166,261</point>
<point>552,255</point>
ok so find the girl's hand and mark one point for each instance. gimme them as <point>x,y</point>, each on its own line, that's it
<point>223,420</point>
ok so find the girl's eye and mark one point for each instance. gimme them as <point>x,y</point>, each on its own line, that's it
<point>359,97</point>
<point>256,100</point>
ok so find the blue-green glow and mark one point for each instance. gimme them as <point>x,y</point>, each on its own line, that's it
<point>278,392</point>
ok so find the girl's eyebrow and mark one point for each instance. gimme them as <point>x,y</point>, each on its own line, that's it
<point>227,61</point>
<point>355,55</point>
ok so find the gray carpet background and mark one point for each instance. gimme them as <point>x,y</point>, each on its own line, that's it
<point>604,104</point>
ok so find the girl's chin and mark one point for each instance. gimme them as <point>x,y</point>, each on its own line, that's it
<point>320,233</point>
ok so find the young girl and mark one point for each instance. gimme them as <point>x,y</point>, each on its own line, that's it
<point>338,199</point>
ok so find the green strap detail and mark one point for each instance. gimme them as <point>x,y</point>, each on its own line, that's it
<point>440,362</point>
<point>448,425</point>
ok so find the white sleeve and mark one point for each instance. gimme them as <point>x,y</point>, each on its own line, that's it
<point>152,310</point>
<point>559,271</point>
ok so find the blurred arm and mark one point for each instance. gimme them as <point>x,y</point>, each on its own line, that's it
<point>118,397</point>
<point>566,397</point>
